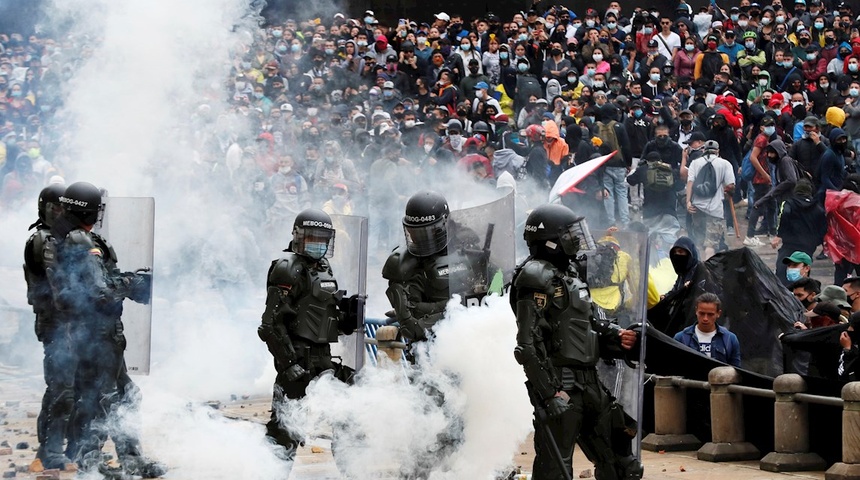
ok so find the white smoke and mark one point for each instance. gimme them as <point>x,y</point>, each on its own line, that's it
<point>397,414</point>
<point>144,97</point>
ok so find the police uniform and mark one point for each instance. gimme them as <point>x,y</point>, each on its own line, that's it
<point>59,362</point>
<point>559,332</point>
<point>88,291</point>
<point>303,317</point>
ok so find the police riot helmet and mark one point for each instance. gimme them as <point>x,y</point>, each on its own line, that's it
<point>49,203</point>
<point>83,201</point>
<point>425,223</point>
<point>555,229</point>
<point>313,234</point>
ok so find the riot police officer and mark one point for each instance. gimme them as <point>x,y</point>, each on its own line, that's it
<point>417,275</point>
<point>88,291</point>
<point>304,314</point>
<point>59,364</point>
<point>558,333</point>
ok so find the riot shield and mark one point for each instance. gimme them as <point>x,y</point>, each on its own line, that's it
<point>481,249</point>
<point>349,265</point>
<point>129,225</point>
<point>616,272</point>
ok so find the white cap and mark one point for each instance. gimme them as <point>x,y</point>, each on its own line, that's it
<point>388,84</point>
<point>369,12</point>
<point>443,16</point>
<point>286,107</point>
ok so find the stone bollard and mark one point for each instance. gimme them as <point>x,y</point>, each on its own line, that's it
<point>387,344</point>
<point>728,437</point>
<point>670,420</point>
<point>790,430</point>
<point>849,467</point>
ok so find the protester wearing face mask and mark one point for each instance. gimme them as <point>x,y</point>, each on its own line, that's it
<point>805,290</point>
<point>848,368</point>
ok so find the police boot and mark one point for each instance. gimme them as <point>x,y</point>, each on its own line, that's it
<point>143,467</point>
<point>51,452</point>
<point>631,468</point>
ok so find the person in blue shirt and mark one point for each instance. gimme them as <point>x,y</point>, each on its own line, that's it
<point>708,338</point>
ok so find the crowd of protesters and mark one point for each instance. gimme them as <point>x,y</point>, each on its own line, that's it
<point>342,113</point>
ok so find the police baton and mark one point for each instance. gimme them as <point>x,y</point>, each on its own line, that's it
<point>543,429</point>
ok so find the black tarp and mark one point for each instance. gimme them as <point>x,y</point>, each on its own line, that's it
<point>756,307</point>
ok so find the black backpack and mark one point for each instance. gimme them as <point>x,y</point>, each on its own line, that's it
<point>706,181</point>
<point>601,266</point>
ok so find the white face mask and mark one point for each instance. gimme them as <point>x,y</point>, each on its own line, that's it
<point>428,147</point>
<point>456,141</point>
<point>597,57</point>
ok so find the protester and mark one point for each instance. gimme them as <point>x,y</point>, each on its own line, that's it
<point>709,338</point>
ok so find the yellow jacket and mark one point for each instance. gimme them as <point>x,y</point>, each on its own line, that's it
<point>506,102</point>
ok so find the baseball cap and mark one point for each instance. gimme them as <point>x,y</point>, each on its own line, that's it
<point>443,16</point>
<point>389,84</point>
<point>797,257</point>
<point>482,85</point>
<point>542,101</point>
<point>696,137</point>
<point>712,145</point>
<point>810,121</point>
<point>825,309</point>
<point>286,107</point>
<point>767,121</point>
<point>391,59</point>
<point>652,43</point>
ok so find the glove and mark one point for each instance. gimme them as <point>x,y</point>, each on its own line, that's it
<point>412,331</point>
<point>556,406</point>
<point>295,372</point>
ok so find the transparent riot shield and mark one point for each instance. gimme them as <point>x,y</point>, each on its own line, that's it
<point>129,225</point>
<point>481,249</point>
<point>349,265</point>
<point>616,272</point>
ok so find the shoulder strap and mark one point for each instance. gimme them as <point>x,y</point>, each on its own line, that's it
<point>664,43</point>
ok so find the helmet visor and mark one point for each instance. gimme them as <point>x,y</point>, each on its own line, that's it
<point>314,242</point>
<point>576,237</point>
<point>425,240</point>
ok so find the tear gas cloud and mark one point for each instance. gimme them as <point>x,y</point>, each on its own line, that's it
<point>145,113</point>
<point>470,365</point>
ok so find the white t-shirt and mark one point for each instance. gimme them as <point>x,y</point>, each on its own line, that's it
<point>705,340</point>
<point>725,176</point>
<point>673,41</point>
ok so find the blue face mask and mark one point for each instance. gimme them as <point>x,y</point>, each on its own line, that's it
<point>503,55</point>
<point>282,48</point>
<point>792,274</point>
<point>316,250</point>
<point>638,112</point>
<point>277,33</point>
<point>296,47</point>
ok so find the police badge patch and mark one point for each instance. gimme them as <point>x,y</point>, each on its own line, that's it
<point>540,300</point>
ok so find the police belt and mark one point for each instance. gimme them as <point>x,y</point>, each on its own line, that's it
<point>576,377</point>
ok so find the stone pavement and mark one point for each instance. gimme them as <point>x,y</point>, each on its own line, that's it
<point>19,402</point>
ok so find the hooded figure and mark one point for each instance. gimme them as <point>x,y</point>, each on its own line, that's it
<point>831,170</point>
<point>802,224</point>
<point>685,261</point>
<point>556,149</point>
<point>581,150</point>
<point>786,174</point>
<point>758,88</point>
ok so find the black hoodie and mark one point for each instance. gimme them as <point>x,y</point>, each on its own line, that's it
<point>687,271</point>
<point>802,223</point>
<point>581,149</point>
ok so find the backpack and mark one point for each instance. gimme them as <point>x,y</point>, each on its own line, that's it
<point>799,171</point>
<point>601,266</point>
<point>747,169</point>
<point>711,63</point>
<point>528,85</point>
<point>705,185</point>
<point>659,176</point>
<point>606,132</point>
